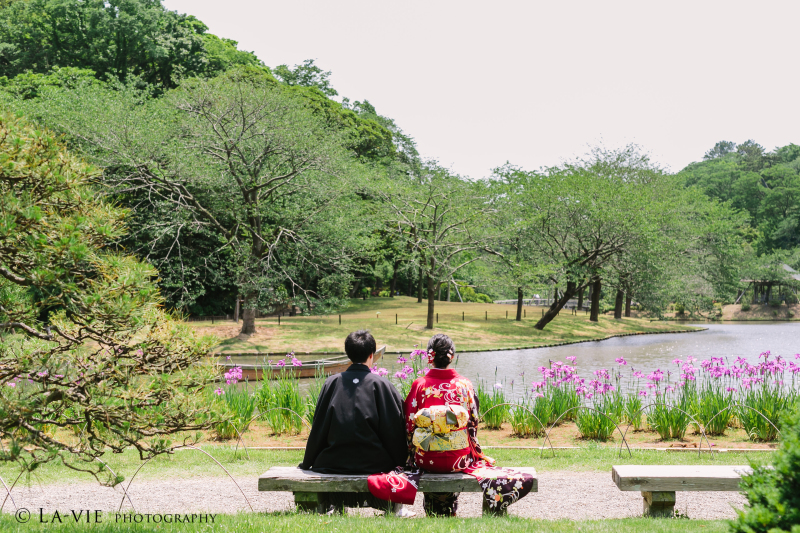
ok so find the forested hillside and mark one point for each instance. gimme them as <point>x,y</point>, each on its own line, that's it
<point>765,185</point>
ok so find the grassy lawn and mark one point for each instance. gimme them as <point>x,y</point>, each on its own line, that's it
<point>191,463</point>
<point>303,523</point>
<point>473,333</point>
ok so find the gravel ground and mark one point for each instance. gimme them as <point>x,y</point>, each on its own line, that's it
<point>562,494</point>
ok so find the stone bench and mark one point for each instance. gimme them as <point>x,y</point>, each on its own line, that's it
<point>306,485</point>
<point>659,483</point>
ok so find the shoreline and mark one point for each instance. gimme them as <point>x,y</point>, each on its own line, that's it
<point>553,345</point>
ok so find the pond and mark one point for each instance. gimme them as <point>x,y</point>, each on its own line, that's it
<point>642,352</point>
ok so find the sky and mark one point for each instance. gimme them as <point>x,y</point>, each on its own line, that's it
<point>536,83</point>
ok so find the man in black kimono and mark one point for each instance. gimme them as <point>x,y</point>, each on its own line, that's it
<point>358,425</point>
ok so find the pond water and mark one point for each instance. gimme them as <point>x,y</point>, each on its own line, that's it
<point>642,352</point>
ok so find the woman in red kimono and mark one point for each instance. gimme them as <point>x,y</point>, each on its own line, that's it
<point>442,415</point>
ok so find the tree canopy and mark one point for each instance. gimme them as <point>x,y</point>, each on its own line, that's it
<point>84,341</point>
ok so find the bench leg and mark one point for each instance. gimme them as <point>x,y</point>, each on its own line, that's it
<point>488,511</point>
<point>309,502</point>
<point>659,504</point>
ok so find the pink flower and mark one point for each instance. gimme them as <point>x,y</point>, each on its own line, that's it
<point>677,362</point>
<point>296,362</point>
<point>401,375</point>
<point>538,395</point>
<point>11,384</point>
<point>498,385</point>
<point>281,363</point>
<point>219,392</point>
<point>402,360</point>
<point>642,393</point>
<point>620,361</point>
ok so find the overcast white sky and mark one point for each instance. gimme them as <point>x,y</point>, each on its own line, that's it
<point>536,82</point>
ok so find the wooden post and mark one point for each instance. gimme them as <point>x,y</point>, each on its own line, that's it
<point>524,314</point>
<point>462,316</point>
<point>487,315</point>
<point>395,319</point>
<point>309,502</point>
<point>658,504</point>
<point>506,314</point>
<point>437,318</point>
<point>340,320</point>
<point>279,319</point>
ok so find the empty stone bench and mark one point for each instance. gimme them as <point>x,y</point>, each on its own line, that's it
<point>659,483</point>
<point>306,485</point>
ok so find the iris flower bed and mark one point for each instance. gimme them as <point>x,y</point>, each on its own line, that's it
<point>706,396</point>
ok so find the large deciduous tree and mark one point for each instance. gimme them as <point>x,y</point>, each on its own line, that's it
<point>244,157</point>
<point>89,362</point>
<point>443,217</point>
<point>581,216</point>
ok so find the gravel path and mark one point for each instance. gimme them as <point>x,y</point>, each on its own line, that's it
<point>562,494</point>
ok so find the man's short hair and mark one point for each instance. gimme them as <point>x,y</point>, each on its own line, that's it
<point>359,345</point>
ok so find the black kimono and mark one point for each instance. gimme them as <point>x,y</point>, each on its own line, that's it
<point>358,426</point>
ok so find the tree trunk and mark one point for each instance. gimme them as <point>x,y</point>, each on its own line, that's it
<point>618,304</point>
<point>448,291</point>
<point>628,304</point>
<point>431,302</point>
<point>236,310</point>
<point>419,287</point>
<point>410,288</point>
<point>555,294</point>
<point>519,304</point>
<point>248,316</point>
<point>580,300</point>
<point>553,310</point>
<point>595,312</point>
<point>356,285</point>
<point>394,279</point>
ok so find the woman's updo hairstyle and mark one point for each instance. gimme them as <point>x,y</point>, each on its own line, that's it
<point>443,350</point>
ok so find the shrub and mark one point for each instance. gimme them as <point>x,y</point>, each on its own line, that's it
<point>237,410</point>
<point>745,307</point>
<point>490,402</point>
<point>791,299</point>
<point>773,493</point>
<point>314,389</point>
<point>670,422</point>
<point>775,302</point>
<point>523,423</point>
<point>280,402</point>
<point>563,400</point>
<point>385,294</point>
<point>772,401</point>
<point>712,408</point>
<point>633,411</point>
<point>680,309</point>
<point>598,422</point>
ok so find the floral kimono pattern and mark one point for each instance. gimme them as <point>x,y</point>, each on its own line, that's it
<point>442,415</point>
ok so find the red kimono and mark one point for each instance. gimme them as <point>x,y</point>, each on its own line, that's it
<point>442,415</point>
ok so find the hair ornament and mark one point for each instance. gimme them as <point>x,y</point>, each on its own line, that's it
<point>431,355</point>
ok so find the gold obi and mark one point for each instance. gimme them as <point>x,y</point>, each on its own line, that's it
<point>441,428</point>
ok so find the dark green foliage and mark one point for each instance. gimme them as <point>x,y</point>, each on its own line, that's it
<point>766,185</point>
<point>773,494</point>
<point>116,38</point>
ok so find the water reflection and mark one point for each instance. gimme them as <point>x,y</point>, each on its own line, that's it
<point>642,352</point>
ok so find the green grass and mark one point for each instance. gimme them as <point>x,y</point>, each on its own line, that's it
<point>191,463</point>
<point>473,333</point>
<point>303,523</point>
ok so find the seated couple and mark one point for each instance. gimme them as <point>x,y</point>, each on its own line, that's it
<point>363,426</point>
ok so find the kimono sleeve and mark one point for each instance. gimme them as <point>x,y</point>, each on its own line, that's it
<point>319,427</point>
